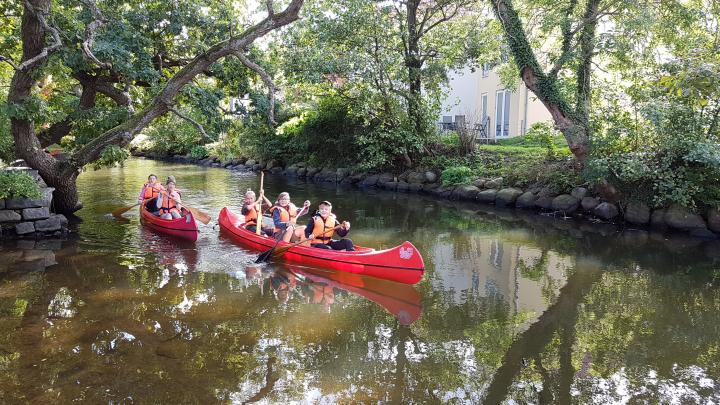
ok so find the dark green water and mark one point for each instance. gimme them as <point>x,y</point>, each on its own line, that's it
<point>512,308</point>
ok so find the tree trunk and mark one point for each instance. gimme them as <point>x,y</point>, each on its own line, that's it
<point>572,123</point>
<point>414,66</point>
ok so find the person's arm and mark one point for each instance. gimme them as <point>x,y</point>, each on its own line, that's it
<point>309,228</point>
<point>276,220</point>
<point>344,229</point>
<point>158,201</point>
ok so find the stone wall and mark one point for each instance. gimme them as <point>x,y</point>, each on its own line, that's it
<point>31,218</point>
<point>579,202</point>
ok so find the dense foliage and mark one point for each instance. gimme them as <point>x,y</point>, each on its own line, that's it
<point>18,185</point>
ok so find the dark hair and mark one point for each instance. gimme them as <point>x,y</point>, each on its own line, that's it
<point>325,203</point>
<point>151,175</point>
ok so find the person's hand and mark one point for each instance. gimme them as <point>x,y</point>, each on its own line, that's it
<point>346,225</point>
<point>306,204</point>
<point>311,237</point>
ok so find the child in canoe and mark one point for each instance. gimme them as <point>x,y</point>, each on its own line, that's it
<point>168,202</point>
<point>252,209</point>
<point>322,226</point>
<point>150,192</point>
<point>285,214</point>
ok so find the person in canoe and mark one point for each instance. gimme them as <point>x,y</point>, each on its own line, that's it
<point>322,226</point>
<point>252,209</point>
<point>168,202</point>
<point>285,215</point>
<point>150,192</point>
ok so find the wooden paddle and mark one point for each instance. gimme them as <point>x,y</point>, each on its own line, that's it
<point>118,212</point>
<point>264,256</point>
<point>259,218</point>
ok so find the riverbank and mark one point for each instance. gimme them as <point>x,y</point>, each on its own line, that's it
<point>579,203</point>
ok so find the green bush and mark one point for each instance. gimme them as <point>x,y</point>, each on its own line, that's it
<point>18,185</point>
<point>456,175</point>
<point>198,152</point>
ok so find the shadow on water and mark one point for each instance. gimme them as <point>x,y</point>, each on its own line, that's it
<point>514,307</point>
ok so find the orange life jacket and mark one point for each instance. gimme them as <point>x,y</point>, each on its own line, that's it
<point>322,228</point>
<point>286,215</point>
<point>251,217</point>
<point>152,190</point>
<point>168,204</point>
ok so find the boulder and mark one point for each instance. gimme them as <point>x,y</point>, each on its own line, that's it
<point>589,203</point>
<point>326,175</point>
<point>33,214</point>
<point>386,178</point>
<point>526,200</point>
<point>370,181</point>
<point>679,217</point>
<point>479,183</point>
<point>341,173</point>
<point>257,167</point>
<point>430,177</point>
<point>579,192</point>
<point>9,216</point>
<point>23,228</point>
<point>416,178</point>
<point>544,202</point>
<point>657,218</point>
<point>565,203</point>
<point>494,183</point>
<point>465,192</point>
<point>606,211</point>
<point>487,196</point>
<point>273,163</point>
<point>390,185</point>
<point>311,171</point>
<point>404,176</point>
<point>54,223</point>
<point>415,187</point>
<point>276,170</point>
<point>703,233</point>
<point>250,163</point>
<point>301,172</point>
<point>713,219</point>
<point>637,213</point>
<point>403,186</point>
<point>507,196</point>
<point>356,178</point>
<point>291,171</point>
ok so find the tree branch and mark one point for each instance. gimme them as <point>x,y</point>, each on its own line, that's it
<point>90,29</point>
<point>192,121</point>
<point>566,42</point>
<point>9,61</point>
<point>268,82</point>
<point>46,51</point>
<point>163,102</point>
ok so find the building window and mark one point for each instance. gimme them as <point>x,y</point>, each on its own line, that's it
<point>502,114</point>
<point>486,69</point>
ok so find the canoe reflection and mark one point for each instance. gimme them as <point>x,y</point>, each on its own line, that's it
<point>317,286</point>
<point>173,253</point>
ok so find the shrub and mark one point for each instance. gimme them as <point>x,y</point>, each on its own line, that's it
<point>18,185</point>
<point>198,152</point>
<point>456,175</point>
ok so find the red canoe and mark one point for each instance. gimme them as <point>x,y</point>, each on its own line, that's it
<point>185,227</point>
<point>402,263</point>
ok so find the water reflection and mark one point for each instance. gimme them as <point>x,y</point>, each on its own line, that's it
<point>513,308</point>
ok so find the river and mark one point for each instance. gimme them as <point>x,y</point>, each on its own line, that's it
<point>513,307</point>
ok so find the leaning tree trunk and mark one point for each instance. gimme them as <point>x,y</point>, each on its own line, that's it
<point>62,174</point>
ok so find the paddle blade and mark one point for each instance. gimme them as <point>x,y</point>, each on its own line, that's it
<point>264,256</point>
<point>118,212</point>
<point>200,215</point>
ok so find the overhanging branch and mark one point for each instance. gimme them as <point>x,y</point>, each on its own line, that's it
<point>98,22</point>
<point>266,79</point>
<point>46,51</point>
<point>192,121</point>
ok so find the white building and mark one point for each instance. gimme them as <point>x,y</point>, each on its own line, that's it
<point>479,101</point>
